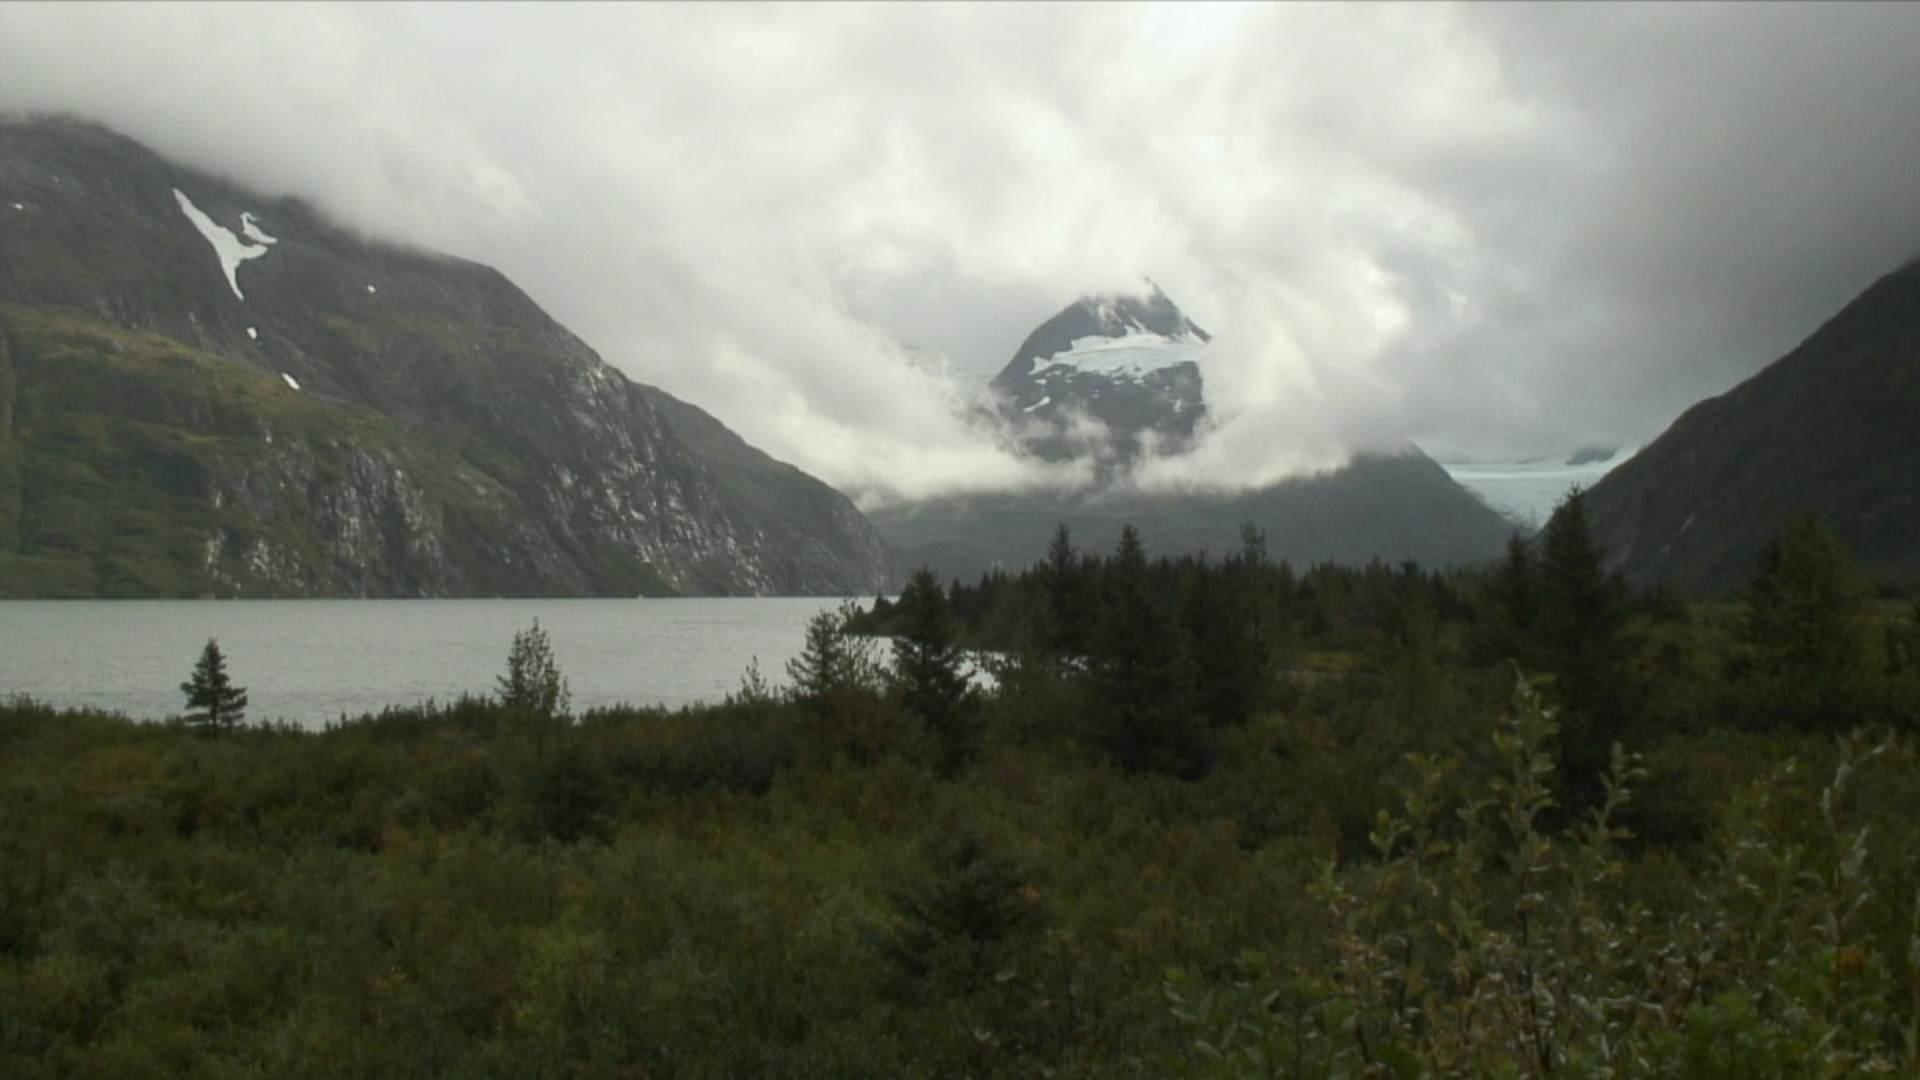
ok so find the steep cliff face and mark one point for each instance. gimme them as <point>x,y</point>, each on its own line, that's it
<point>203,391</point>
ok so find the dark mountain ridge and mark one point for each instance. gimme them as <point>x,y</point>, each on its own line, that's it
<point>1833,428</point>
<point>206,392</point>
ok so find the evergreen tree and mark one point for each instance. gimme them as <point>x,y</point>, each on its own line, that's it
<point>1507,626</point>
<point>830,665</point>
<point>1225,663</point>
<point>217,704</point>
<point>1803,611</point>
<point>1064,626</point>
<point>1804,624</point>
<point>1580,633</point>
<point>929,670</point>
<point>973,908</point>
<point>1146,720</point>
<point>836,684</point>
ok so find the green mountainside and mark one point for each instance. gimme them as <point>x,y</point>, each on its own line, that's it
<point>1832,428</point>
<point>335,417</point>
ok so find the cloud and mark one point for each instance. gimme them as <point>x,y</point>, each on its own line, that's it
<point>1485,228</point>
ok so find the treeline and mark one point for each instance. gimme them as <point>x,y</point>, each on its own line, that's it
<point>1189,817</point>
<point>1172,648</point>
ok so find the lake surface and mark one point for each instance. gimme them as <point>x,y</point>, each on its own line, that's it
<point>310,661</point>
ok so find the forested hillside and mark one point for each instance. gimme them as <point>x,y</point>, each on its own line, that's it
<point>1204,818</point>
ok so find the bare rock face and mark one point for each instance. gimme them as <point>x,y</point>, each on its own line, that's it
<point>207,392</point>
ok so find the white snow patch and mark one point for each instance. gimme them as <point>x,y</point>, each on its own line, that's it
<point>252,231</point>
<point>1130,357</point>
<point>1038,404</point>
<point>252,333</point>
<point>231,250</point>
<point>291,381</point>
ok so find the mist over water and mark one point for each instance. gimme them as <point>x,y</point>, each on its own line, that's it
<point>309,662</point>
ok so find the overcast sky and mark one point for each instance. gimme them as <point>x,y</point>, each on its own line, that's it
<point>1493,230</point>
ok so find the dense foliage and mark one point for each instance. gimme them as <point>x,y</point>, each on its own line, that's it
<point>1197,817</point>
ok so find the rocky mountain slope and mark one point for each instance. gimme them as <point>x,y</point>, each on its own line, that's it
<point>208,392</point>
<point>1111,378</point>
<point>1833,427</point>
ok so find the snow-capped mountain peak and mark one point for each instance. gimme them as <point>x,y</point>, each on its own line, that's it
<point>1130,364</point>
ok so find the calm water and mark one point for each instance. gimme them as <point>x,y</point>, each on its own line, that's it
<point>309,661</point>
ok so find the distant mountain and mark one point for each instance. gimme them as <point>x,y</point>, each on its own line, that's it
<point>1833,427</point>
<point>1112,378</point>
<point>204,391</point>
<point>1128,363</point>
<point>1379,506</point>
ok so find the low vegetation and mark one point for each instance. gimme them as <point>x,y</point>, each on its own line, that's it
<point>1200,817</point>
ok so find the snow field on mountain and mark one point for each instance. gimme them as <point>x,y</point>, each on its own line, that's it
<point>1526,492</point>
<point>1133,356</point>
<point>230,249</point>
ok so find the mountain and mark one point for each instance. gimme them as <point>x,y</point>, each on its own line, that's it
<point>208,392</point>
<point>1112,378</point>
<point>1833,427</point>
<point>1130,363</point>
<point>1378,506</point>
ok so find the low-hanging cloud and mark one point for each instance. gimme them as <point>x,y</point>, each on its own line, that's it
<point>1489,230</point>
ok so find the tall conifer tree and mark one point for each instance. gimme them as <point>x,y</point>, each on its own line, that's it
<point>217,704</point>
<point>1580,631</point>
<point>930,670</point>
<point>1147,721</point>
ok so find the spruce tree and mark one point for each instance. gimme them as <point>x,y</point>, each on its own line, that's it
<point>831,665</point>
<point>1507,625</point>
<point>1804,624</point>
<point>1580,633</point>
<point>929,670</point>
<point>1064,628</point>
<point>1225,665</point>
<point>1146,720</point>
<point>1803,611</point>
<point>217,704</point>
